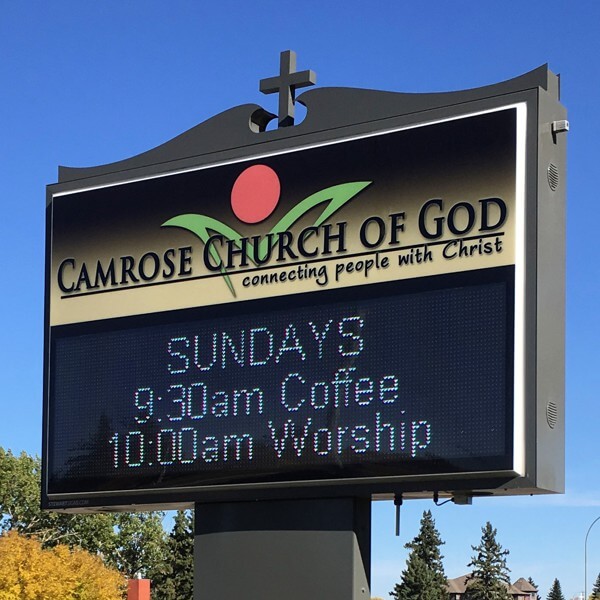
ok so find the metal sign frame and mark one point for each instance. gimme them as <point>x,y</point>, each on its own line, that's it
<point>336,115</point>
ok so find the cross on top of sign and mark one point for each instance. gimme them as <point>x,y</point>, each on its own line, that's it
<point>285,84</point>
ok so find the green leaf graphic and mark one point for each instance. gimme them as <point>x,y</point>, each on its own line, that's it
<point>336,195</point>
<point>201,225</point>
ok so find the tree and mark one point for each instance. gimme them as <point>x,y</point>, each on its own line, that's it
<point>489,579</point>
<point>131,542</point>
<point>534,584</point>
<point>424,577</point>
<point>20,484</point>
<point>418,582</point>
<point>596,591</point>
<point>555,591</point>
<point>139,544</point>
<point>177,581</point>
<point>30,572</point>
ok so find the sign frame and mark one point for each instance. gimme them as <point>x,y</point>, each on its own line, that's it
<point>239,134</point>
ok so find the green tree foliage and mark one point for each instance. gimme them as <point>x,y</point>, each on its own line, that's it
<point>131,542</point>
<point>19,492</point>
<point>596,591</point>
<point>423,578</point>
<point>534,584</point>
<point>139,544</point>
<point>489,578</point>
<point>20,483</point>
<point>177,580</point>
<point>555,592</point>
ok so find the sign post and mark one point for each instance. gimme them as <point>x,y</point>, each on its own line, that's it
<point>365,304</point>
<point>296,549</point>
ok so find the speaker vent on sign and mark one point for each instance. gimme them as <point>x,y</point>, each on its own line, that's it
<point>551,414</point>
<point>552,176</point>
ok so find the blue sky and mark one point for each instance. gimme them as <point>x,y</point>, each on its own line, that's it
<point>85,83</point>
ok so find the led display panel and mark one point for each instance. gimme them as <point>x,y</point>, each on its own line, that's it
<point>400,384</point>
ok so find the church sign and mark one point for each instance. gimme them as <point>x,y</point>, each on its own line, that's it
<point>360,304</point>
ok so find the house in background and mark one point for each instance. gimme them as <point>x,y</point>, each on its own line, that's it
<point>524,586</point>
<point>519,590</point>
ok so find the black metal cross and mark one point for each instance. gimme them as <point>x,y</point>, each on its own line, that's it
<point>286,83</point>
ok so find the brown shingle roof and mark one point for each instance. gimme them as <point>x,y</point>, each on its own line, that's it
<point>459,586</point>
<point>524,585</point>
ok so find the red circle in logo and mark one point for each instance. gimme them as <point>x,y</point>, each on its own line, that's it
<point>255,194</point>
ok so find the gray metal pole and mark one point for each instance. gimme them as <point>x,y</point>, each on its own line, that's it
<point>293,549</point>
<point>585,558</point>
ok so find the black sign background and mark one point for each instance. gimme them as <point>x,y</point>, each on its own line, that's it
<point>431,390</point>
